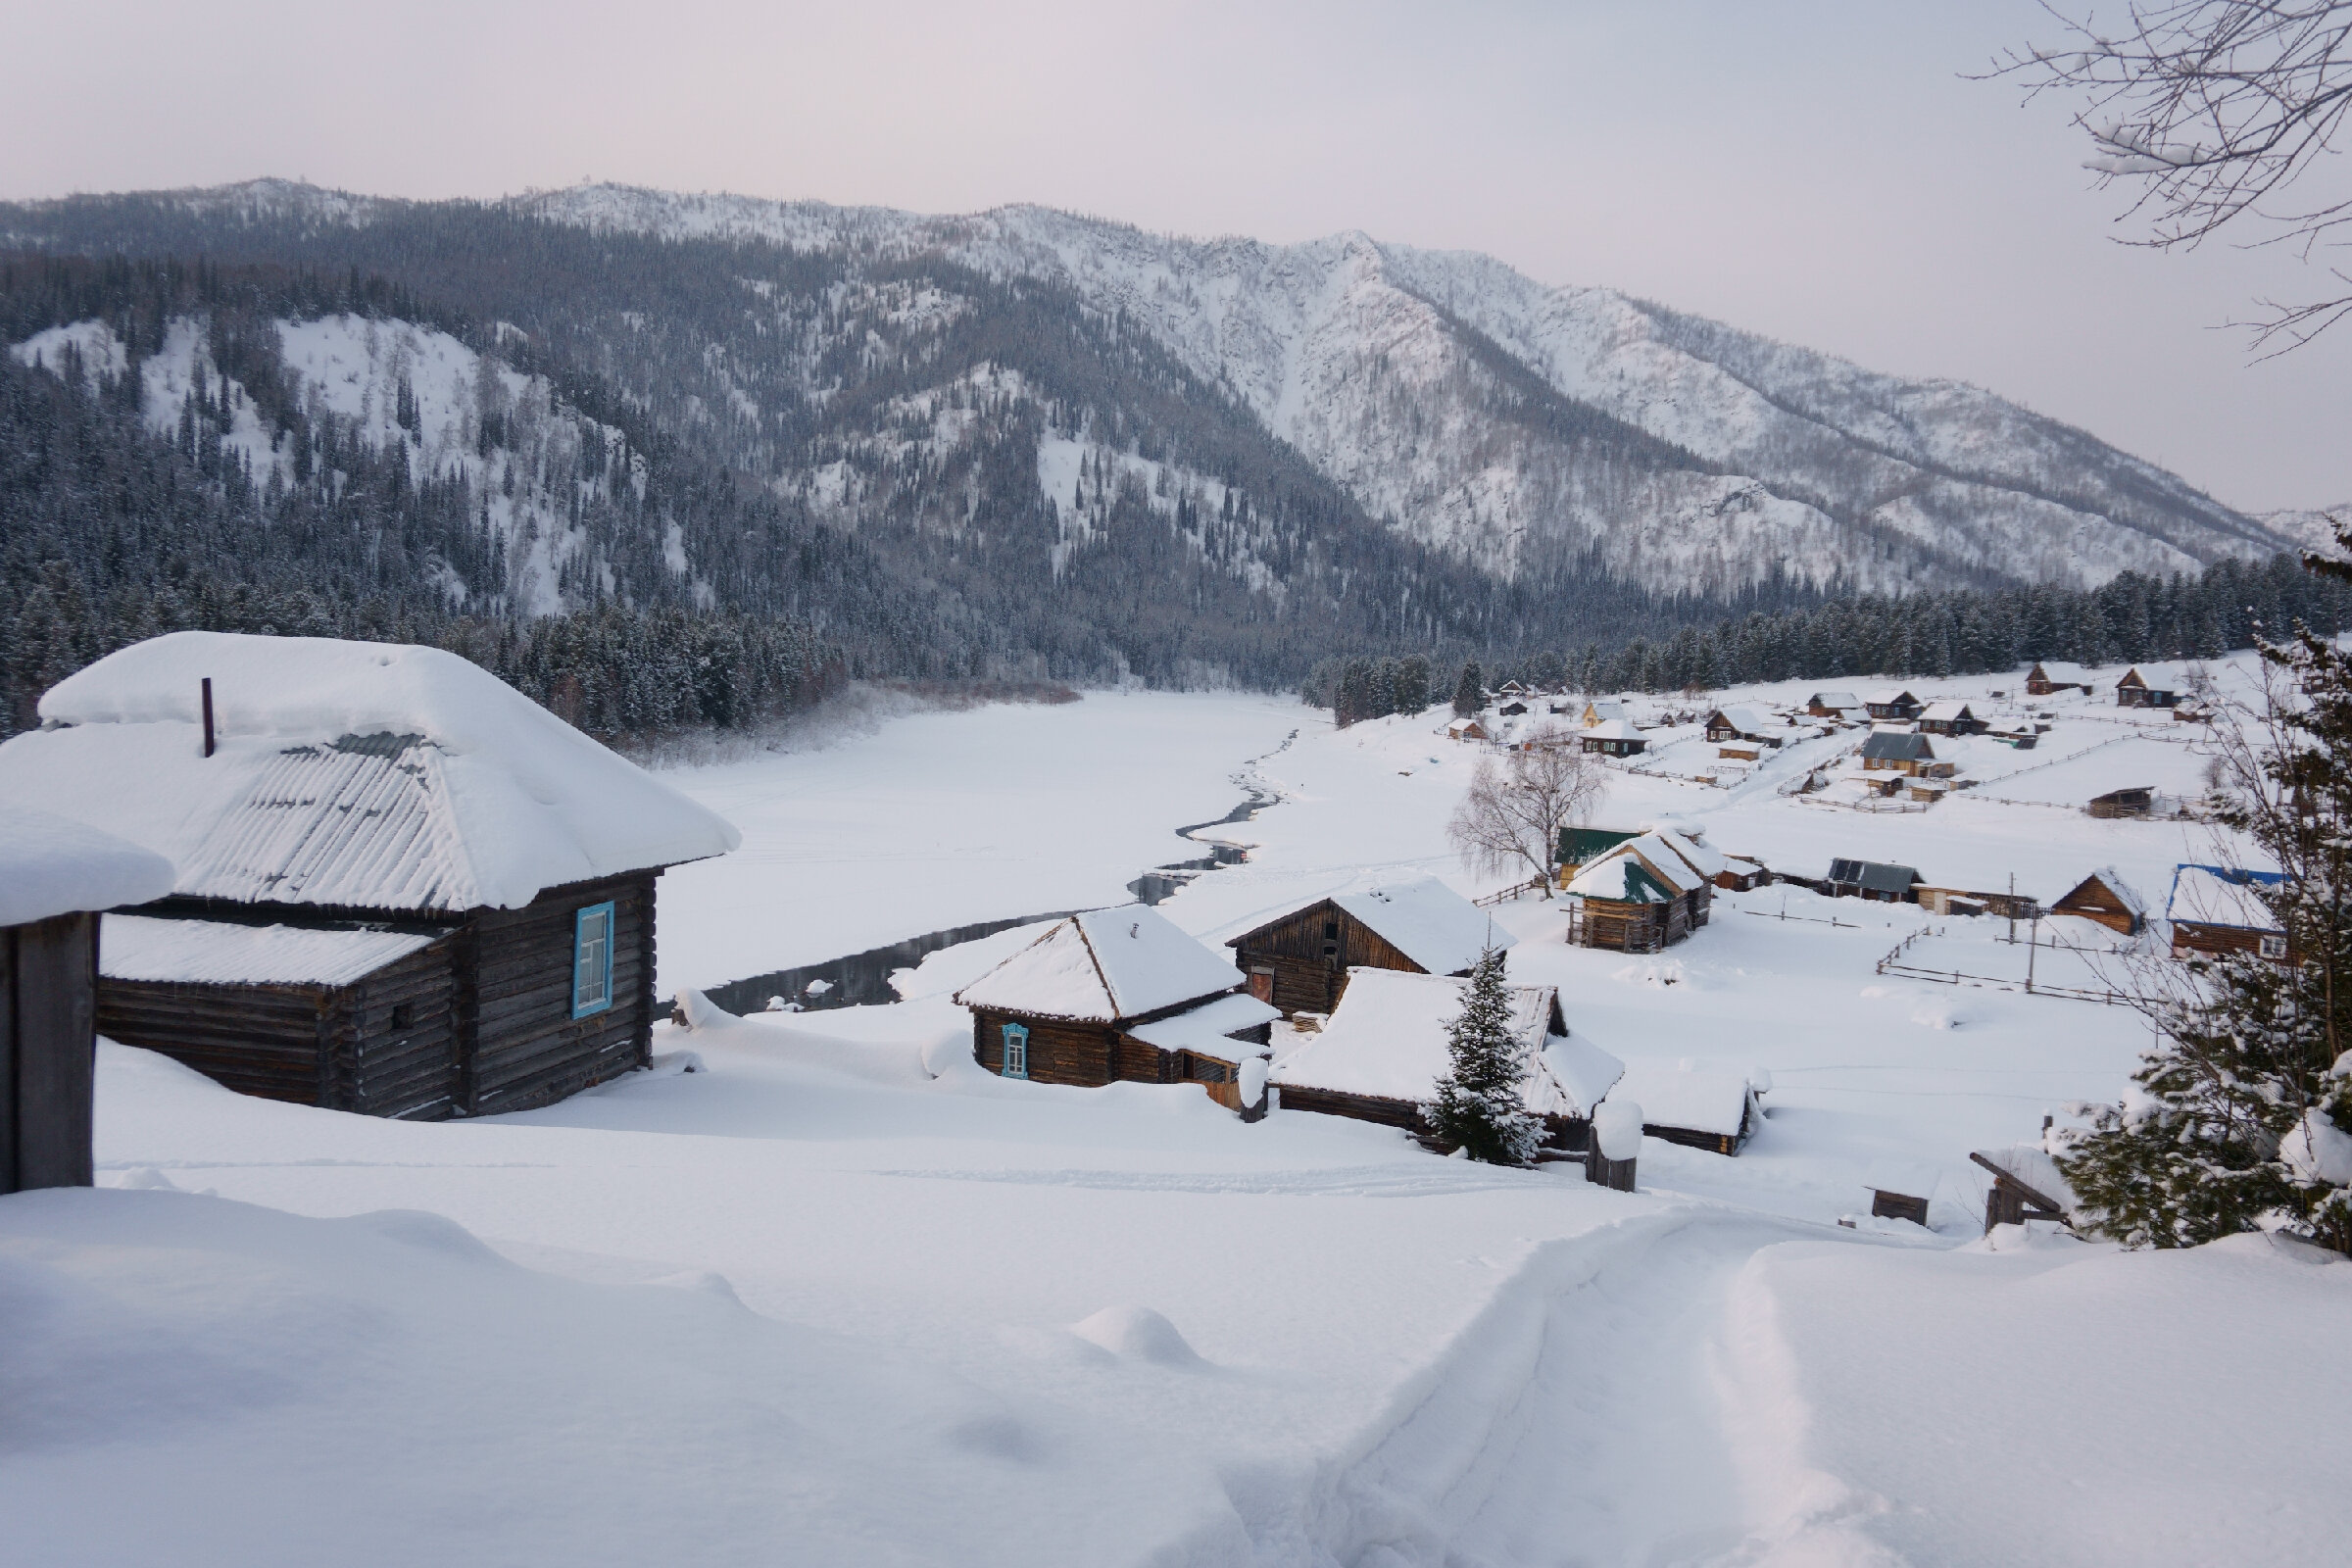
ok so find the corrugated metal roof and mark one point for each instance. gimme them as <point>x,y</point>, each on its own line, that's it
<point>138,946</point>
<point>362,821</point>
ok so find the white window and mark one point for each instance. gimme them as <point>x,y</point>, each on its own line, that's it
<point>2273,946</point>
<point>592,960</point>
<point>1016,1051</point>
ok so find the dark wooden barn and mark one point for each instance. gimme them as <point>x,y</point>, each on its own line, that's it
<point>1953,718</point>
<point>2107,899</point>
<point>438,902</point>
<point>1617,737</point>
<point>2039,682</point>
<point>1299,961</point>
<point>2137,800</point>
<point>1872,879</point>
<point>53,874</point>
<point>1113,996</point>
<point>1833,705</point>
<point>1892,704</point>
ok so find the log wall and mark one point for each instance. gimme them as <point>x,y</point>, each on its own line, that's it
<point>48,975</point>
<point>1311,966</point>
<point>523,1047</point>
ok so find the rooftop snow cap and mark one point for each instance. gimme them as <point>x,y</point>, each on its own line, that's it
<point>52,865</point>
<point>2224,896</point>
<point>1103,967</point>
<point>372,775</point>
<point>1427,921</point>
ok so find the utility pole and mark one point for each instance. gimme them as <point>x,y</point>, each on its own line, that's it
<point>2033,941</point>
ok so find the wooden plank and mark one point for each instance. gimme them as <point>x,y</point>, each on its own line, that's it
<point>8,1059</point>
<point>57,970</point>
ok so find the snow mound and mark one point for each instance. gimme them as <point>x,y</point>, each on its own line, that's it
<point>1617,1129</point>
<point>1138,1334</point>
<point>52,865</point>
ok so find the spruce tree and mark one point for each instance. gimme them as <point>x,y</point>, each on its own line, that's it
<point>1470,692</point>
<point>2241,1116</point>
<point>1481,1102</point>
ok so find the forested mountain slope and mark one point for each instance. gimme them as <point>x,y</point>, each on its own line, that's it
<point>1019,444</point>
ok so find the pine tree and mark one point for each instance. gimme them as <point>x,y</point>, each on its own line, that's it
<point>1481,1102</point>
<point>2241,1116</point>
<point>1470,692</point>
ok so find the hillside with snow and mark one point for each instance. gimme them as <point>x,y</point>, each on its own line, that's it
<point>888,371</point>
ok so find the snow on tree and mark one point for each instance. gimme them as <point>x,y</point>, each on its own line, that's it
<point>2240,1119</point>
<point>1481,1101</point>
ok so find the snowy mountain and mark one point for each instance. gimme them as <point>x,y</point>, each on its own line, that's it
<point>1483,413</point>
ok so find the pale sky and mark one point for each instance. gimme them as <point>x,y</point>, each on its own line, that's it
<point>1817,172</point>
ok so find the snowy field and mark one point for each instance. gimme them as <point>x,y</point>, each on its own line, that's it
<point>813,1303</point>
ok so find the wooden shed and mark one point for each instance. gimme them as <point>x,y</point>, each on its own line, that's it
<point>401,888</point>
<point>1301,962</point>
<point>1647,894</point>
<point>55,874</point>
<point>1380,1057</point>
<point>2137,800</point>
<point>2039,682</point>
<point>1117,995</point>
<point>2133,691</point>
<point>1699,1104</point>
<point>1465,729</point>
<point>2106,898</point>
<point>2221,910</point>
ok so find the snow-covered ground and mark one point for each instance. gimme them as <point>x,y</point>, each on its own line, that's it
<point>811,1304</point>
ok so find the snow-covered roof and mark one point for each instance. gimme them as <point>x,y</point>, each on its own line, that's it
<point>1693,853</point>
<point>1387,1038</point>
<point>138,946</point>
<point>1210,1027</point>
<point>1103,965</point>
<point>1702,1096</point>
<point>1839,700</point>
<point>1613,729</point>
<point>2210,894</point>
<point>1427,921</point>
<point>1745,721</point>
<point>1641,870</point>
<point>371,775</point>
<point>2108,877</point>
<point>52,865</point>
<point>1601,713</point>
<point>1890,693</point>
<point>1945,711</point>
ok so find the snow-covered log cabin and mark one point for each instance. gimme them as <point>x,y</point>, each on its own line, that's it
<point>1695,1104</point>
<point>401,888</point>
<point>1380,1057</point>
<point>1115,994</point>
<point>55,875</point>
<point>2133,691</point>
<point>1615,737</point>
<point>2221,910</point>
<point>1647,894</point>
<point>1301,962</point>
<point>1892,704</point>
<point>2106,898</point>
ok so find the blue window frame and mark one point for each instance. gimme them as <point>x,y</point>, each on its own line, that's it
<point>1016,1051</point>
<point>592,960</point>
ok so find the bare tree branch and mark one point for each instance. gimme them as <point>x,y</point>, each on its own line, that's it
<point>1511,816</point>
<point>2219,108</point>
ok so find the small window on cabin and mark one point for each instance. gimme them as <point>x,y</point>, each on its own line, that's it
<point>592,960</point>
<point>1016,1051</point>
<point>403,1015</point>
<point>2273,946</point>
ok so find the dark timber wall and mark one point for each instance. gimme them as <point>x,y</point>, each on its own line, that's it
<point>515,997</point>
<point>48,975</point>
<point>1308,953</point>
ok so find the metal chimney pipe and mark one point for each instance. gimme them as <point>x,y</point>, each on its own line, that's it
<point>208,715</point>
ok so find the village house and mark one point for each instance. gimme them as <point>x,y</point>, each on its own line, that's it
<point>1598,711</point>
<point>2039,682</point>
<point>1117,995</point>
<point>1465,729</point>
<point>1742,724</point>
<point>1892,704</point>
<point>1950,717</point>
<point>1887,750</point>
<point>1742,874</point>
<point>401,888</point>
<point>2135,692</point>
<point>1301,962</point>
<point>2221,910</point>
<point>1381,1055</point>
<point>1874,880</point>
<point>1694,1104</point>
<point>1833,705</point>
<point>2105,897</point>
<point>1645,894</point>
<point>1615,737</point>
<point>55,875</point>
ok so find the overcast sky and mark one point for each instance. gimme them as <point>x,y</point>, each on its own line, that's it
<point>1817,172</point>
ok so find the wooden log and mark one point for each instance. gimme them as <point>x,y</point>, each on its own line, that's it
<point>55,972</point>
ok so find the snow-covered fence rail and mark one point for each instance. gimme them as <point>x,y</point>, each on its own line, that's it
<point>1518,890</point>
<point>1892,965</point>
